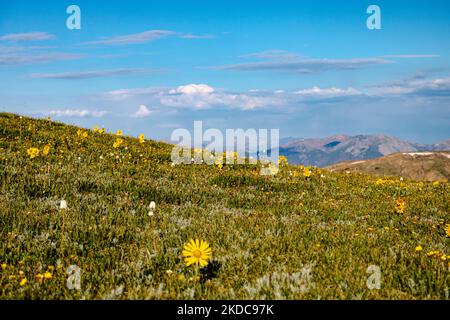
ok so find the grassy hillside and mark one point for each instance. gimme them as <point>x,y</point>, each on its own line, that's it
<point>429,166</point>
<point>302,234</point>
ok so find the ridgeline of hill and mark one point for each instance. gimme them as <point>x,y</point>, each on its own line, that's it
<point>428,166</point>
<point>305,233</point>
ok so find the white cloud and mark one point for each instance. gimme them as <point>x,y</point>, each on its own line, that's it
<point>142,112</point>
<point>317,92</point>
<point>29,36</point>
<point>411,56</point>
<point>76,113</point>
<point>15,59</point>
<point>421,87</point>
<point>90,74</point>
<point>203,96</point>
<point>193,89</point>
<point>292,64</point>
<point>142,37</point>
<point>195,36</point>
<point>123,94</point>
<point>145,37</point>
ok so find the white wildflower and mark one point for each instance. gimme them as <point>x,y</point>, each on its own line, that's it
<point>74,279</point>
<point>63,205</point>
<point>151,208</point>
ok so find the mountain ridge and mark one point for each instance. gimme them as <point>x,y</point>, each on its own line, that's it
<point>323,152</point>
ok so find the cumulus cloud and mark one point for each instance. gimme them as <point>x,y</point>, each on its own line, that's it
<point>196,96</point>
<point>29,36</point>
<point>142,112</point>
<point>76,113</point>
<point>89,74</point>
<point>193,89</point>
<point>204,96</point>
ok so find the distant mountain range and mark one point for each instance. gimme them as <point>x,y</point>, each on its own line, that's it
<point>327,151</point>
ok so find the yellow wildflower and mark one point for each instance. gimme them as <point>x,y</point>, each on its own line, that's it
<point>118,143</point>
<point>282,160</point>
<point>23,282</point>
<point>4,265</point>
<point>48,275</point>
<point>181,277</point>
<point>33,152</point>
<point>447,230</point>
<point>419,248</point>
<point>197,252</point>
<point>141,138</point>
<point>46,150</point>
<point>119,132</point>
<point>306,172</point>
<point>400,206</point>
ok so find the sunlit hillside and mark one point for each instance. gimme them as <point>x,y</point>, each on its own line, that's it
<point>75,223</point>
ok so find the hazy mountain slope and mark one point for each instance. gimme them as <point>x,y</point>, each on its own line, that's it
<point>324,152</point>
<point>429,166</point>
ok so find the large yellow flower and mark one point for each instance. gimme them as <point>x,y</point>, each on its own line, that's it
<point>197,252</point>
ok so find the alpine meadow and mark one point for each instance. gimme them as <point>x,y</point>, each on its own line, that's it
<point>92,214</point>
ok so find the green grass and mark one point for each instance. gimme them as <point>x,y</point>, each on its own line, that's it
<point>286,236</point>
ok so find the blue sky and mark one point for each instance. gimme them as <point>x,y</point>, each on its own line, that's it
<point>309,68</point>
